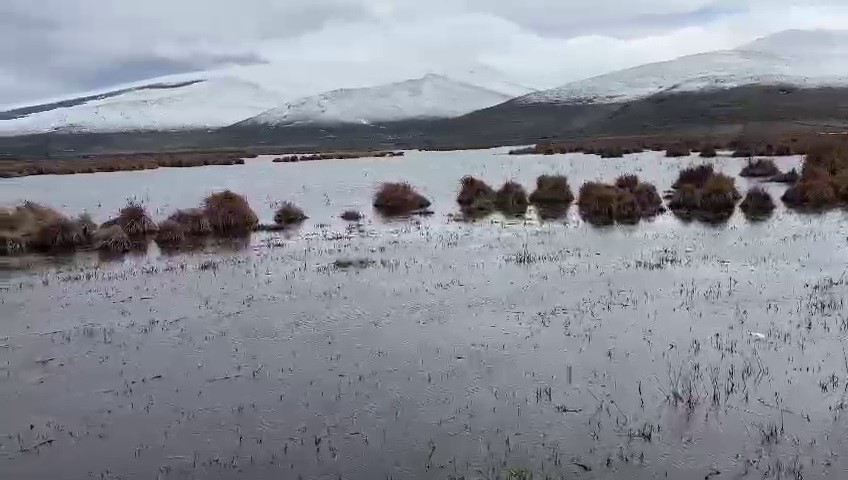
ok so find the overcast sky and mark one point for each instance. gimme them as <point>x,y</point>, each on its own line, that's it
<point>55,47</point>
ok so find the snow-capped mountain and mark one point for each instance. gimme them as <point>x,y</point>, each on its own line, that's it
<point>224,97</point>
<point>166,106</point>
<point>795,57</point>
<point>432,96</point>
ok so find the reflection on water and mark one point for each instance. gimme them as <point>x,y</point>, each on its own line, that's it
<point>427,347</point>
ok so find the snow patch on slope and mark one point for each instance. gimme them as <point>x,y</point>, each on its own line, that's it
<point>433,96</point>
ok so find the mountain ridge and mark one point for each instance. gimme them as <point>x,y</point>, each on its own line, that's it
<point>431,96</point>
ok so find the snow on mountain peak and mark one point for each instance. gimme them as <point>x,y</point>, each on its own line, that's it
<point>803,58</point>
<point>431,96</point>
<point>801,43</point>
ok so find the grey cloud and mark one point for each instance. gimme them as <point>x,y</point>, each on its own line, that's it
<point>49,47</point>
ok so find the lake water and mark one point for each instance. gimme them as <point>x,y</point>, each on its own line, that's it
<point>452,350</point>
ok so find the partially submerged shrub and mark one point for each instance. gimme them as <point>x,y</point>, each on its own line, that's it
<point>757,203</point>
<point>604,204</point>
<point>645,194</point>
<point>511,198</point>
<point>193,221</point>
<point>111,239</point>
<point>648,198</point>
<point>840,185</point>
<point>743,152</point>
<point>783,151</point>
<point>708,151</point>
<point>399,198</point>
<point>676,151</point>
<point>33,225</point>
<point>475,195</point>
<point>815,193</point>
<point>60,234</point>
<point>289,214</point>
<point>713,200</point>
<point>11,243</point>
<point>611,152</point>
<point>351,215</point>
<point>719,196</point>
<point>552,189</point>
<point>791,176</point>
<point>686,199</point>
<point>761,167</point>
<point>134,221</point>
<point>627,182</point>
<point>830,157</point>
<point>696,176</point>
<point>87,225</point>
<point>170,234</point>
<point>37,213</point>
<point>229,213</point>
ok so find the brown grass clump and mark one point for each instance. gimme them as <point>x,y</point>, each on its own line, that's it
<point>686,199</point>
<point>823,182</point>
<point>111,239</point>
<point>840,185</point>
<point>475,195</point>
<point>28,217</point>
<point>552,189</point>
<point>170,234</point>
<point>289,214</point>
<point>11,240</point>
<point>627,182</point>
<point>813,193</point>
<point>715,200</point>
<point>832,158</point>
<point>399,199</point>
<point>696,176</point>
<point>603,204</point>
<point>648,198</point>
<point>708,151</point>
<point>791,176</point>
<point>20,225</point>
<point>611,152</point>
<point>87,225</point>
<point>743,152</point>
<point>676,151</point>
<point>59,235</point>
<point>193,221</point>
<point>719,195</point>
<point>645,194</point>
<point>134,220</point>
<point>512,199</point>
<point>757,203</point>
<point>761,167</point>
<point>229,213</point>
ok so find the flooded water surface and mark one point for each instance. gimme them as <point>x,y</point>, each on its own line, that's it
<point>427,347</point>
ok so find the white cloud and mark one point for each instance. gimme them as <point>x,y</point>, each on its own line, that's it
<point>60,46</point>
